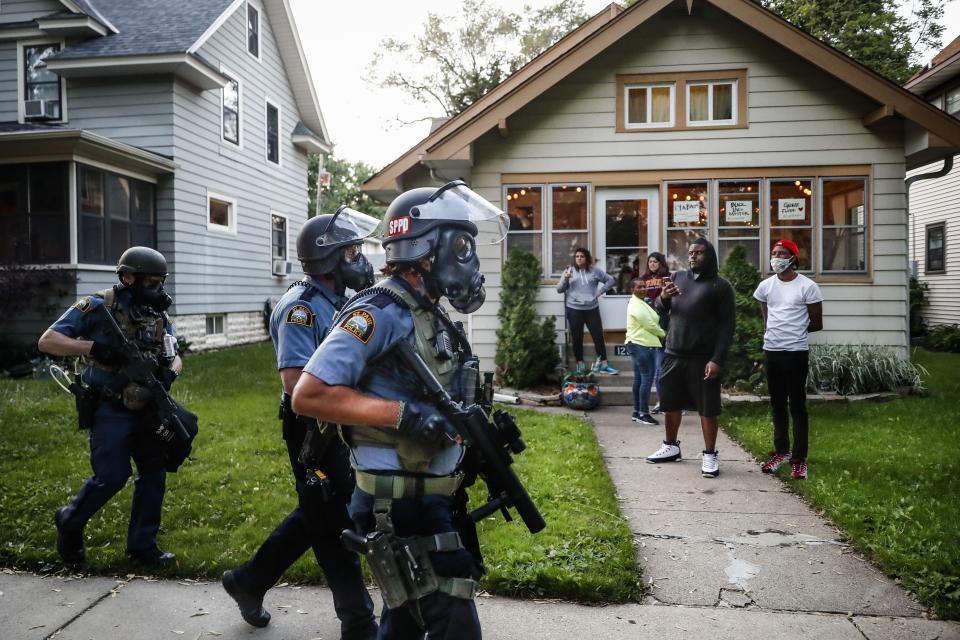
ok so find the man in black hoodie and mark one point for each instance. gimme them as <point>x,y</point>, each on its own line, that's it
<point>700,305</point>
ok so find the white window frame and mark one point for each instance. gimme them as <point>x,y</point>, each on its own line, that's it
<point>230,228</point>
<point>267,103</point>
<point>649,86</point>
<point>710,84</point>
<point>21,78</point>
<point>224,140</point>
<point>246,29</point>
<point>222,317</point>
<point>286,230</point>
<point>946,97</point>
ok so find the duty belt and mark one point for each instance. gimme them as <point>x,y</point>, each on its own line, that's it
<point>400,487</point>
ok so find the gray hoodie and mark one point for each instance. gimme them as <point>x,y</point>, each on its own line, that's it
<point>585,287</point>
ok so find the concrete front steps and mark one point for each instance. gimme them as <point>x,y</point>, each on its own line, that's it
<point>617,390</point>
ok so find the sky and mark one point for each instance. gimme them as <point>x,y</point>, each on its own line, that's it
<point>362,119</point>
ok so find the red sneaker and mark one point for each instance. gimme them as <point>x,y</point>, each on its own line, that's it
<point>798,470</point>
<point>775,461</point>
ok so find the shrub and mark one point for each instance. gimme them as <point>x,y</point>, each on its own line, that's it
<point>853,369</point>
<point>744,367</point>
<point>918,300</point>
<point>943,337</point>
<point>526,348</point>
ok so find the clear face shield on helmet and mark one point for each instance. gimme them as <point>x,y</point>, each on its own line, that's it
<point>456,202</point>
<point>350,225</point>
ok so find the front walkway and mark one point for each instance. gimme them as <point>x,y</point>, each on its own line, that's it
<point>736,557</point>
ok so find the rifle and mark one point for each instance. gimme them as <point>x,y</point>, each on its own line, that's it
<point>141,368</point>
<point>491,443</point>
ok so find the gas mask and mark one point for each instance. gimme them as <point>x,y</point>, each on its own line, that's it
<point>353,271</point>
<point>153,296</point>
<point>455,273</point>
<point>779,265</point>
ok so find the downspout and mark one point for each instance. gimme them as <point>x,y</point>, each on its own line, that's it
<point>911,268</point>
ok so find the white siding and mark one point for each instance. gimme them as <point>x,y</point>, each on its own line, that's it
<point>933,201</point>
<point>8,81</point>
<point>797,117</point>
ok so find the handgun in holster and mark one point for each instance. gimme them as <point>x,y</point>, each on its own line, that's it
<point>400,566</point>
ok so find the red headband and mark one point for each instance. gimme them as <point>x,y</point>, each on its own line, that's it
<point>789,245</point>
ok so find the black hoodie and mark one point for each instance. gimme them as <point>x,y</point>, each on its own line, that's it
<point>702,317</point>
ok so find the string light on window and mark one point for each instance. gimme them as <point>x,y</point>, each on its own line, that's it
<point>509,197</point>
<point>523,192</point>
<point>807,192</point>
<point>674,196</point>
<point>797,183</point>
<point>688,197</point>
<point>579,189</point>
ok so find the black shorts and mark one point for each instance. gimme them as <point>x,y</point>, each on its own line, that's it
<point>683,387</point>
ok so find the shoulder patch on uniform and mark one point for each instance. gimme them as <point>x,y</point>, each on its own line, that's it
<point>300,314</point>
<point>83,304</point>
<point>360,324</point>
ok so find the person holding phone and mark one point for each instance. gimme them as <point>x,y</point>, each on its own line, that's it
<point>583,284</point>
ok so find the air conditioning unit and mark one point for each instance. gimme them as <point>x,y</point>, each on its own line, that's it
<point>40,109</point>
<point>281,267</point>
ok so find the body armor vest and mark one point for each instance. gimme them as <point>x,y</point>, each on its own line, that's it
<point>414,456</point>
<point>145,329</point>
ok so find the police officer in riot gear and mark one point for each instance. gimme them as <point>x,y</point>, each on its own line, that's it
<point>406,454</point>
<point>117,428</point>
<point>328,247</point>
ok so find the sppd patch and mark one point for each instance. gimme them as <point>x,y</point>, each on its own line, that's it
<point>360,324</point>
<point>82,305</point>
<point>300,314</point>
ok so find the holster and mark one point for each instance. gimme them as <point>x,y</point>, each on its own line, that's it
<point>87,400</point>
<point>316,439</point>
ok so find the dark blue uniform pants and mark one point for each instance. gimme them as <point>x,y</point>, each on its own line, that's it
<point>445,617</point>
<point>317,526</point>
<point>112,439</point>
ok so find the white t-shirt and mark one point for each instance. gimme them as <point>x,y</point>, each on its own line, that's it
<point>787,316</point>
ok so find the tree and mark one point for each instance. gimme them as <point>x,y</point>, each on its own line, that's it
<point>345,180</point>
<point>872,32</point>
<point>460,57</point>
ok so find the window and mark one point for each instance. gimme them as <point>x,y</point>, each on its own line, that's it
<point>41,87</point>
<point>253,30</point>
<point>273,133</point>
<point>560,210</point>
<point>936,241</point>
<point>221,213</point>
<point>739,219</point>
<point>626,240</point>
<point>278,236</point>
<point>844,222</point>
<point>791,216</point>
<point>115,212</point>
<point>712,102</point>
<point>952,102</point>
<point>649,106</point>
<point>215,325</point>
<point>34,213</point>
<point>230,104</point>
<point>687,219</point>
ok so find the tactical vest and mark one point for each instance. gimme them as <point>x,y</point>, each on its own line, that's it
<point>414,456</point>
<point>147,331</point>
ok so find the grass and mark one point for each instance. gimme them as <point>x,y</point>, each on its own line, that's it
<point>236,487</point>
<point>886,474</point>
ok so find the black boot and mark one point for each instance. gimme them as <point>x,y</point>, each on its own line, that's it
<point>250,602</point>
<point>152,556</point>
<point>69,541</point>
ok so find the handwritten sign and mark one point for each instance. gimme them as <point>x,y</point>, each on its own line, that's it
<point>791,209</point>
<point>739,211</point>
<point>686,211</point>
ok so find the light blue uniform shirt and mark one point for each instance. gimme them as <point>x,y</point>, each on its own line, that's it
<point>300,322</point>
<point>366,331</point>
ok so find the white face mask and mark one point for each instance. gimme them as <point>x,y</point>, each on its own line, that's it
<point>779,265</point>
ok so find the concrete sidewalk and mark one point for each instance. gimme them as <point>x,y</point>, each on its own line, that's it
<point>736,557</point>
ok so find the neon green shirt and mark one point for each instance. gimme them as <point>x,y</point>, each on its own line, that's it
<point>643,324</point>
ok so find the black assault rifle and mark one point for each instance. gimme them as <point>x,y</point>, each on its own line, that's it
<point>491,443</point>
<point>141,368</point>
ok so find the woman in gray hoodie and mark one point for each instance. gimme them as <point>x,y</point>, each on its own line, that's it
<point>583,284</point>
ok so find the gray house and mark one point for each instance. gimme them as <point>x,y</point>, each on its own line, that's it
<point>184,125</point>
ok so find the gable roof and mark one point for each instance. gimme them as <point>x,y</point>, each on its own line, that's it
<point>944,67</point>
<point>606,28</point>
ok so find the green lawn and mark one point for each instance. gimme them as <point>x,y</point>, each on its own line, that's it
<point>886,474</point>
<point>237,486</point>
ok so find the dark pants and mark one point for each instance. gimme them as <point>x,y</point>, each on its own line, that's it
<point>317,525</point>
<point>113,440</point>
<point>787,384</point>
<point>576,318</point>
<point>659,354</point>
<point>644,368</point>
<point>444,616</point>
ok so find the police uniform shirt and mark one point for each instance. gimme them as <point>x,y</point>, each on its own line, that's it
<point>300,321</point>
<point>79,321</point>
<point>365,331</point>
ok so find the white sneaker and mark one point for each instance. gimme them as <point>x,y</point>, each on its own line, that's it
<point>711,465</point>
<point>666,453</point>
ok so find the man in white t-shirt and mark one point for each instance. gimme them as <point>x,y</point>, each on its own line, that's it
<point>792,308</point>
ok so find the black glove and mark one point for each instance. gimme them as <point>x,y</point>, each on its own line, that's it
<point>166,376</point>
<point>424,423</point>
<point>105,354</point>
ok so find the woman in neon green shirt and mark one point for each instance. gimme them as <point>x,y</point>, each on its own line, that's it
<point>643,340</point>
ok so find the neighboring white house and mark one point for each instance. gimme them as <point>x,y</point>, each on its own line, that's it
<point>649,126</point>
<point>184,125</point>
<point>934,242</point>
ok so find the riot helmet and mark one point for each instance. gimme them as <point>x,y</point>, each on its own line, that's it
<point>329,245</point>
<point>443,226</point>
<point>149,269</point>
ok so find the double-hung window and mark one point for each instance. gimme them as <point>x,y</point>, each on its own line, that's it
<point>253,30</point>
<point>844,225</point>
<point>548,220</point>
<point>273,133</point>
<point>230,111</point>
<point>42,89</point>
<point>278,236</point>
<point>935,247</point>
<point>115,212</point>
<point>952,102</point>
